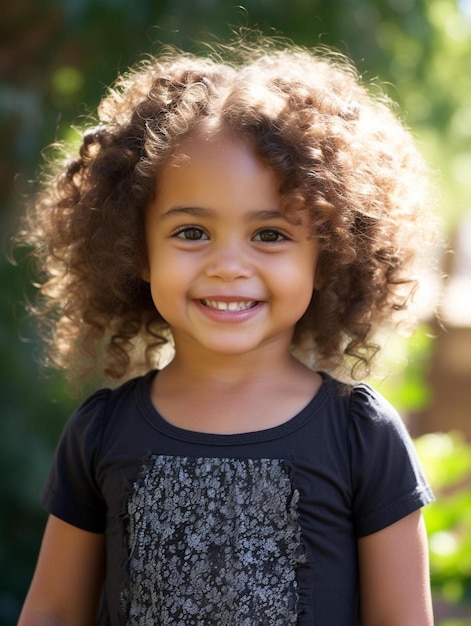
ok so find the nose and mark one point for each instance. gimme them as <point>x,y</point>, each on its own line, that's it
<point>229,261</point>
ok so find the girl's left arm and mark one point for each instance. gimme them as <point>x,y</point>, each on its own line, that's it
<point>394,575</point>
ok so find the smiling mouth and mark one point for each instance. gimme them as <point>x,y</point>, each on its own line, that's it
<point>229,306</point>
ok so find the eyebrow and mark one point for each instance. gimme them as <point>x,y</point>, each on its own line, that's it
<point>203,212</point>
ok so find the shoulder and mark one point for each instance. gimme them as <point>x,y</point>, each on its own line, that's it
<point>73,491</point>
<point>361,414</point>
<point>102,410</point>
<point>107,400</point>
<point>387,478</point>
<point>375,426</point>
<point>371,414</point>
<point>358,402</point>
<point>364,399</point>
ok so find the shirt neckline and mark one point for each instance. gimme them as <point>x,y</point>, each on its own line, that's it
<point>153,417</point>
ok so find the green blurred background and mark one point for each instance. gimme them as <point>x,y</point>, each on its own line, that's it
<point>56,59</point>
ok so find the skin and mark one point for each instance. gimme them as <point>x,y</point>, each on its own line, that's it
<point>217,240</point>
<point>232,276</point>
<point>67,583</point>
<point>394,575</point>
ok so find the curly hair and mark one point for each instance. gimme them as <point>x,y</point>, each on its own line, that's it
<point>339,150</point>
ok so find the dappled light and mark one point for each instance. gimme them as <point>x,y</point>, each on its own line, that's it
<point>56,62</point>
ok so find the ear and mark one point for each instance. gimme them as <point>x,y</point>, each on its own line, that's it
<point>319,280</point>
<point>145,272</point>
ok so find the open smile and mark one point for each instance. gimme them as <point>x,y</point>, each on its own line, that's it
<point>229,306</point>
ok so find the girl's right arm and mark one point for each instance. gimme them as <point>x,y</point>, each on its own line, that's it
<point>66,586</point>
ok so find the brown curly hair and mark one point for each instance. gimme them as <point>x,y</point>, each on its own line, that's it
<point>340,153</point>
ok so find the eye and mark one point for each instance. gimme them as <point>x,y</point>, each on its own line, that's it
<point>270,235</point>
<point>191,233</point>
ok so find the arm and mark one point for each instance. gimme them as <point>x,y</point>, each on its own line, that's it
<point>67,583</point>
<point>394,575</point>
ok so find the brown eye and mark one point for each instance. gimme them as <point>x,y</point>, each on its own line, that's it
<point>191,233</point>
<point>269,235</point>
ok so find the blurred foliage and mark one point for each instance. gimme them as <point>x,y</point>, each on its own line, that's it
<point>56,59</point>
<point>405,362</point>
<point>446,459</point>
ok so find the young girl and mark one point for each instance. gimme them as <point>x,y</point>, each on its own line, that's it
<point>259,217</point>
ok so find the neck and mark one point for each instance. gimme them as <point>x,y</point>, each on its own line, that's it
<point>203,367</point>
<point>232,395</point>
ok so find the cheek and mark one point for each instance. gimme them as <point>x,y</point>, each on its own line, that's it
<point>302,284</point>
<point>164,299</point>
<point>170,281</point>
<point>299,276</point>
<point>162,283</point>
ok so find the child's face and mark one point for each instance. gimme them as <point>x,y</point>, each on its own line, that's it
<point>228,272</point>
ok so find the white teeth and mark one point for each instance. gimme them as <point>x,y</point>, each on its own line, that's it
<point>228,306</point>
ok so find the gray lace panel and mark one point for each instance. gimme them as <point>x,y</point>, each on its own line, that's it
<point>212,541</point>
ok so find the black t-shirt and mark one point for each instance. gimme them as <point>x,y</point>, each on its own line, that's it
<point>252,529</point>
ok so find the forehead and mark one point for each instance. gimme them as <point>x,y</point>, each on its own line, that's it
<point>220,150</point>
<point>217,169</point>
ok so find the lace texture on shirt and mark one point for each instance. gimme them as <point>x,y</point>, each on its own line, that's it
<point>212,542</point>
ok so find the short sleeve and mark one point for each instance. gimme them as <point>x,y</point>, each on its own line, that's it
<point>71,492</point>
<point>388,482</point>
